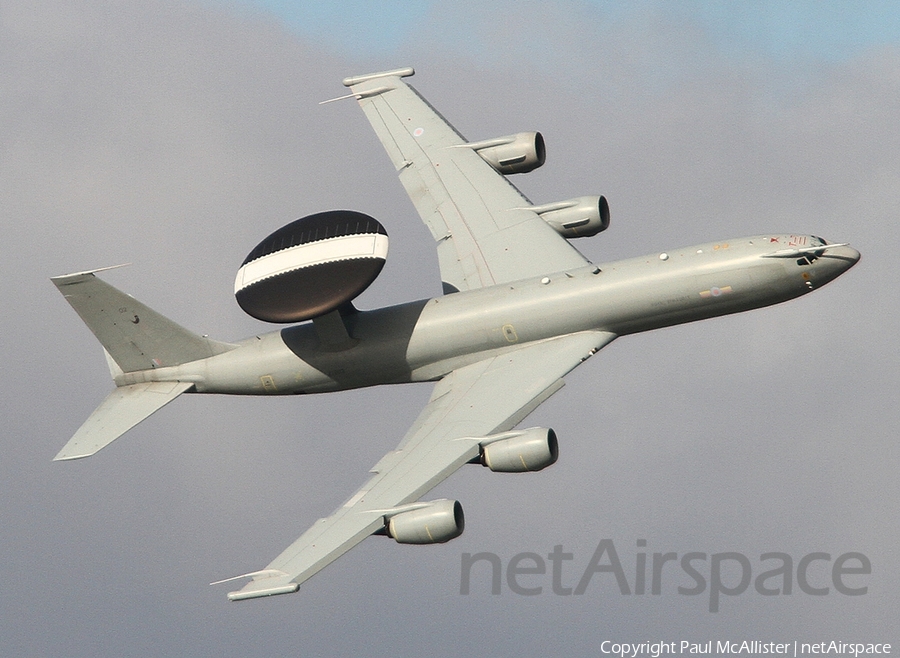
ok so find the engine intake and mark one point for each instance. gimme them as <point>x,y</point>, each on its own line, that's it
<point>513,154</point>
<point>434,523</point>
<point>581,217</point>
<point>529,450</point>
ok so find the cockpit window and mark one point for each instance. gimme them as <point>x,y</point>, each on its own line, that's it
<point>810,257</point>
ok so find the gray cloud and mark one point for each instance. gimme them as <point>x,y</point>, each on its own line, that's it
<point>176,136</point>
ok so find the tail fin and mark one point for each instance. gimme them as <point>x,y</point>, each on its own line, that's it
<point>134,335</point>
<point>134,338</point>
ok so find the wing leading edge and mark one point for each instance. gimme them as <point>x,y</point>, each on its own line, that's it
<point>466,406</point>
<point>485,229</point>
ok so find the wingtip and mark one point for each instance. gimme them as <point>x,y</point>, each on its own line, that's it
<point>242,595</point>
<point>257,587</point>
<point>400,73</point>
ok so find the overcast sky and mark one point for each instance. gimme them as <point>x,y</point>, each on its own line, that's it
<point>176,135</point>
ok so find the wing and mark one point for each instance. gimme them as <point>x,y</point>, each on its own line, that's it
<point>485,230</point>
<point>466,406</point>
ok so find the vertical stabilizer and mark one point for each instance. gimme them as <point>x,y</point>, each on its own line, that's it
<point>133,334</point>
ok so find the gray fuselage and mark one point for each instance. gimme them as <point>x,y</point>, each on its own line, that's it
<point>425,340</point>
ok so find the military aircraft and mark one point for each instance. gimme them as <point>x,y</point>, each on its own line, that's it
<point>521,308</point>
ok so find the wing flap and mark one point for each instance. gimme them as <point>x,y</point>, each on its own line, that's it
<point>467,405</point>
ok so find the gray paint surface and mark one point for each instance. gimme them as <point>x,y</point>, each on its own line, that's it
<point>174,138</point>
<point>498,349</point>
<point>498,346</point>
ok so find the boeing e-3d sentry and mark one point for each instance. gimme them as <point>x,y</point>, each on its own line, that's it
<point>521,308</point>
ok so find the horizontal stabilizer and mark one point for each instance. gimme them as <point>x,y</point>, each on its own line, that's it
<point>122,409</point>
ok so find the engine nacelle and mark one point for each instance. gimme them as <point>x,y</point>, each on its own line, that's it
<point>576,218</point>
<point>513,154</point>
<point>435,523</point>
<point>529,450</point>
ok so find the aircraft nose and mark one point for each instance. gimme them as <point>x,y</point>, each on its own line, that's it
<point>834,262</point>
<point>845,253</point>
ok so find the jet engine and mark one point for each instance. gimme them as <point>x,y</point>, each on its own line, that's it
<point>529,450</point>
<point>435,523</point>
<point>582,217</point>
<point>513,154</point>
<point>311,266</point>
